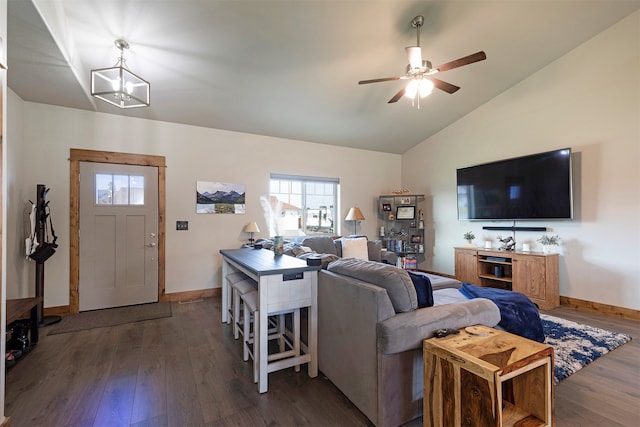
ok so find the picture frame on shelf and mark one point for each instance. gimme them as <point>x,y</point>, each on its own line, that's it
<point>386,207</point>
<point>405,200</point>
<point>405,213</point>
<point>416,238</point>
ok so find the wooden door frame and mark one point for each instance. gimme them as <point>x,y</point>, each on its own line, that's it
<point>76,156</point>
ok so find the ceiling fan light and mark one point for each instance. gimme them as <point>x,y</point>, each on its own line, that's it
<point>425,87</point>
<point>412,89</point>
<point>415,56</point>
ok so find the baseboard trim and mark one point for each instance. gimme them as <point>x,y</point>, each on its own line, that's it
<point>596,307</point>
<point>436,273</point>
<point>64,310</point>
<point>61,310</point>
<point>191,295</point>
<point>590,306</point>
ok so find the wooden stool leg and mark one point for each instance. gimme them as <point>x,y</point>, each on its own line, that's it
<point>281,331</point>
<point>296,335</point>
<point>236,314</point>
<point>256,348</point>
<point>246,335</point>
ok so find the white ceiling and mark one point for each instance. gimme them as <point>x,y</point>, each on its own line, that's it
<point>290,68</point>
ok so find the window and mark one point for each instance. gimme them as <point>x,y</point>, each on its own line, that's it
<point>118,189</point>
<point>304,205</point>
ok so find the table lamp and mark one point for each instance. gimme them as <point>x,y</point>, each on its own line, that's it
<point>251,228</point>
<point>355,215</point>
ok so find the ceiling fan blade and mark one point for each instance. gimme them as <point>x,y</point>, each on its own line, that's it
<point>415,56</point>
<point>444,86</point>
<point>475,57</point>
<point>383,79</point>
<point>397,96</point>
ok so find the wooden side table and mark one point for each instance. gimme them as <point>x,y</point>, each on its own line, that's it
<point>486,377</point>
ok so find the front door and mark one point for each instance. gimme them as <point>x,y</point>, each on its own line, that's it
<point>118,235</point>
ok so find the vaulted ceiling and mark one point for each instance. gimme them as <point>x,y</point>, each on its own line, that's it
<point>290,68</point>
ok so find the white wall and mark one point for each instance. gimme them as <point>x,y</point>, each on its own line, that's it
<point>192,154</point>
<point>588,100</point>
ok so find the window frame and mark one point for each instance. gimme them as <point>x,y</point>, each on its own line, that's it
<point>304,215</point>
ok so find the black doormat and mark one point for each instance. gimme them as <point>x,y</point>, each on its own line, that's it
<point>111,317</point>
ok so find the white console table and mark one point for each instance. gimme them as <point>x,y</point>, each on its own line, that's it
<point>284,283</point>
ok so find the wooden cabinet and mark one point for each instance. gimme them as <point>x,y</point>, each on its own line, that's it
<point>467,265</point>
<point>532,273</point>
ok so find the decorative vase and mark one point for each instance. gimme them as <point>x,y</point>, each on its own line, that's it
<point>549,249</point>
<point>278,245</point>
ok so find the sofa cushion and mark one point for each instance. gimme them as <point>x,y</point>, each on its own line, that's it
<point>423,289</point>
<point>406,331</point>
<point>355,248</point>
<point>395,280</point>
<point>320,244</point>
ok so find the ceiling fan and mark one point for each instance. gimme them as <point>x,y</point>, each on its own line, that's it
<point>420,72</point>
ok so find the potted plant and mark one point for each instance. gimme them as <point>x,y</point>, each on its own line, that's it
<point>549,243</point>
<point>469,236</point>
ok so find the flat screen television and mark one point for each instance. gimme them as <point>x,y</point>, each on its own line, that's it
<point>533,187</point>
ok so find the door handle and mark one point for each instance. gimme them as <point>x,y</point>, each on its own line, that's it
<point>151,245</point>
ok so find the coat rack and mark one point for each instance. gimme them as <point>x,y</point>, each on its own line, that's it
<point>41,223</point>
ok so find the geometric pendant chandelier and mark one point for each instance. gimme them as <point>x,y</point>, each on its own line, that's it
<point>119,86</point>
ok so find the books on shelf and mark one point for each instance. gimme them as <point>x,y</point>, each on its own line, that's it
<point>407,262</point>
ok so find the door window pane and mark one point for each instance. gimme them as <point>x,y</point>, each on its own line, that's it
<point>104,188</point>
<point>136,190</point>
<point>119,189</point>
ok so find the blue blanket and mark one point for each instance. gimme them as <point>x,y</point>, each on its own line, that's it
<point>518,314</point>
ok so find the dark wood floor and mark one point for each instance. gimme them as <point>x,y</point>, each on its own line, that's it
<point>187,370</point>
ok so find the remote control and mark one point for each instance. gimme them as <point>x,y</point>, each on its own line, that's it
<point>441,333</point>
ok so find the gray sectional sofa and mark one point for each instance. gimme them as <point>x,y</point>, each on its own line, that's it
<point>370,329</point>
<point>370,334</point>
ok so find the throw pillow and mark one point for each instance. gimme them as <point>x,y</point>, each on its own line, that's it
<point>355,248</point>
<point>320,244</point>
<point>423,287</point>
<point>374,248</point>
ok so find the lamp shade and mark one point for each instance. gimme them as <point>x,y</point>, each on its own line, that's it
<point>252,227</point>
<point>354,214</point>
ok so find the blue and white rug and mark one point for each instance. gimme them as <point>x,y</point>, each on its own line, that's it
<point>576,345</point>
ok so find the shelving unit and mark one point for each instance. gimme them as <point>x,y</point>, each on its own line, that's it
<point>495,272</point>
<point>534,274</point>
<point>401,225</point>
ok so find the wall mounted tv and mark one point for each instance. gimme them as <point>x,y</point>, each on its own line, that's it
<point>534,187</point>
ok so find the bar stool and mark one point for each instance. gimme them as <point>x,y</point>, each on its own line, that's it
<point>232,279</point>
<point>239,289</point>
<point>289,341</point>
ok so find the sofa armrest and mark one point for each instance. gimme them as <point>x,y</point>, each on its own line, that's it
<point>406,331</point>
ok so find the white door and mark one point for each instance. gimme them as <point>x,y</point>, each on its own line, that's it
<point>118,235</point>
